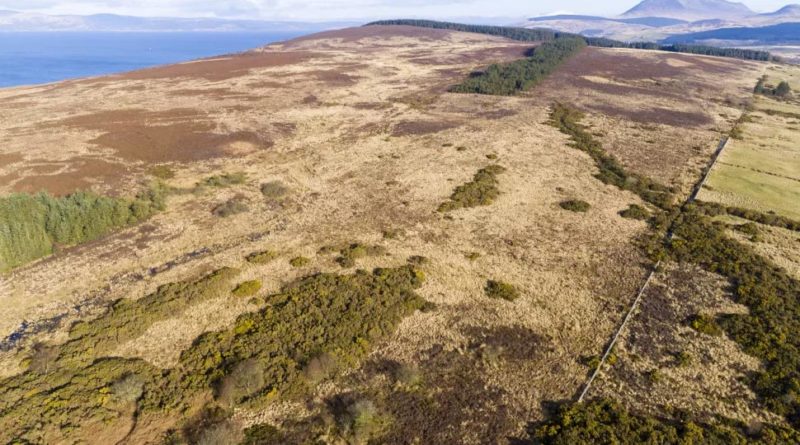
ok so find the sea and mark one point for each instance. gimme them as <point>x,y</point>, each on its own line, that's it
<point>29,58</point>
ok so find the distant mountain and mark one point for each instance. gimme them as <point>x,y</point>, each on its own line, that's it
<point>23,21</point>
<point>689,9</point>
<point>784,33</point>
<point>786,11</point>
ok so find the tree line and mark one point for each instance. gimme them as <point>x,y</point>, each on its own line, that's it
<point>509,78</point>
<point>545,35</point>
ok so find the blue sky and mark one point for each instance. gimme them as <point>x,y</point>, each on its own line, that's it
<point>338,9</point>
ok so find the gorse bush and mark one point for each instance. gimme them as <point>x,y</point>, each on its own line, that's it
<point>768,219</point>
<point>247,288</point>
<point>501,290</point>
<point>348,255</point>
<point>768,330</point>
<point>262,257</point>
<point>607,422</point>
<point>509,78</point>
<point>611,172</point>
<point>274,190</point>
<point>224,180</point>
<point>32,225</point>
<point>299,261</point>
<point>231,207</point>
<point>575,205</point>
<point>705,324</point>
<point>635,211</point>
<point>481,191</point>
<point>262,356</point>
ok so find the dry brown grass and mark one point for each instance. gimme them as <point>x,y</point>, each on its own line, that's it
<point>354,170</point>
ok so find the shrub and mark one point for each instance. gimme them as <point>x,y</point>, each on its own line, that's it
<point>567,120</point>
<point>472,256</point>
<point>247,288</point>
<point>392,233</point>
<point>244,379</point>
<point>635,211</point>
<point>605,421</point>
<point>683,359</point>
<point>705,324</point>
<point>750,229</point>
<point>320,367</point>
<point>499,289</point>
<point>353,252</point>
<point>225,433</point>
<point>128,389</point>
<point>575,205</point>
<point>161,172</point>
<point>361,421</point>
<point>299,261</point>
<point>230,207</point>
<point>263,434</point>
<point>259,358</point>
<point>783,89</point>
<point>224,180</point>
<point>262,257</point>
<point>769,292</point>
<point>274,190</point>
<point>481,191</point>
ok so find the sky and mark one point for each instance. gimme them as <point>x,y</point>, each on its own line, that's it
<point>319,10</point>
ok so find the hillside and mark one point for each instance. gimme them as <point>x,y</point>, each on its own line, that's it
<point>332,240</point>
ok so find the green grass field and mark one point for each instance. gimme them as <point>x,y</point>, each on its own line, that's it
<point>762,170</point>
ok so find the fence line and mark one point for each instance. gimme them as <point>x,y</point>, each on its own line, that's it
<point>722,144</point>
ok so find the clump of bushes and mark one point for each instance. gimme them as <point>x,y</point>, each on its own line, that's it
<point>750,229</point>
<point>349,255</point>
<point>769,292</point>
<point>705,324</point>
<point>606,421</point>
<point>260,358</point>
<point>768,219</point>
<point>262,257</point>
<point>128,319</point>
<point>224,180</point>
<point>230,207</point>
<point>274,190</point>
<point>567,120</point>
<point>323,312</point>
<point>247,288</point>
<point>299,261</point>
<point>635,211</point>
<point>502,290</point>
<point>31,226</point>
<point>575,205</point>
<point>782,90</point>
<point>481,191</point>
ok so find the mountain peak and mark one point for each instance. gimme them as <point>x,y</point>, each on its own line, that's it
<point>788,10</point>
<point>689,9</point>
